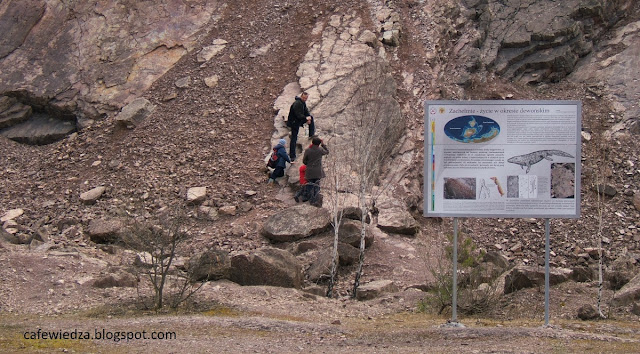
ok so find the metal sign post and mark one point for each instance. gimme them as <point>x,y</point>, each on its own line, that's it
<point>546,272</point>
<point>454,300</point>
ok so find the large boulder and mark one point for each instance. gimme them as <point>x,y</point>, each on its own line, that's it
<point>134,113</point>
<point>347,254</point>
<point>266,266</point>
<point>522,277</point>
<point>621,271</point>
<point>295,223</point>
<point>116,280</point>
<point>397,220</point>
<point>629,293</point>
<point>588,312</point>
<point>210,265</point>
<point>375,289</point>
<point>350,233</point>
<point>320,269</point>
<point>106,230</point>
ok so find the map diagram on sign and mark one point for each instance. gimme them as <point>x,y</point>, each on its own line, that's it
<point>472,129</point>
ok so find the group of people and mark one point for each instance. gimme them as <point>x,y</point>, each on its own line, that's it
<point>311,170</point>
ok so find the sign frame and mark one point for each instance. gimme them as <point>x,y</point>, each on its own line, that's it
<point>519,134</point>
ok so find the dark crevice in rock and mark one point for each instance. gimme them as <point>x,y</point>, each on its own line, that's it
<point>33,120</point>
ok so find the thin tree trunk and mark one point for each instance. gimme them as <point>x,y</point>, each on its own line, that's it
<point>363,234</point>
<point>337,219</point>
<point>334,262</point>
<point>600,282</point>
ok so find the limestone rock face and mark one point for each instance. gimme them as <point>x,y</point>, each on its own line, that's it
<point>91,58</point>
<point>536,41</point>
<point>352,96</point>
<point>616,72</point>
<point>351,90</point>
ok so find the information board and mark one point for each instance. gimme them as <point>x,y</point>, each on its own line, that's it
<point>502,159</point>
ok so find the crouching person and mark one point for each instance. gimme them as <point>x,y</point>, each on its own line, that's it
<point>283,158</point>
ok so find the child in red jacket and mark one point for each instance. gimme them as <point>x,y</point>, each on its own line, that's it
<point>303,191</point>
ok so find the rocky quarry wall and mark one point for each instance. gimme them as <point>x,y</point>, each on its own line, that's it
<point>84,61</point>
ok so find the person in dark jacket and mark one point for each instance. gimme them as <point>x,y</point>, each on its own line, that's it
<point>298,116</point>
<point>313,159</point>
<point>283,158</point>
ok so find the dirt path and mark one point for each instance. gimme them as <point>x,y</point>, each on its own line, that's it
<point>255,333</point>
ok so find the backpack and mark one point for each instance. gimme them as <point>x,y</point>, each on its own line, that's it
<point>273,159</point>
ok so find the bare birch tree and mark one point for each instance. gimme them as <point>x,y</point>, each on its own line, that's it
<point>336,207</point>
<point>601,153</point>
<point>366,124</point>
<point>376,125</point>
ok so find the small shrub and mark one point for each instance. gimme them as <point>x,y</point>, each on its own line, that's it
<point>472,299</point>
<point>160,241</point>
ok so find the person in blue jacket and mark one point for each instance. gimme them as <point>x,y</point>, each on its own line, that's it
<point>283,158</point>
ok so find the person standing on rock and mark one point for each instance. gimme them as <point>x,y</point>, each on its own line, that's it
<point>313,159</point>
<point>283,158</point>
<point>298,116</point>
